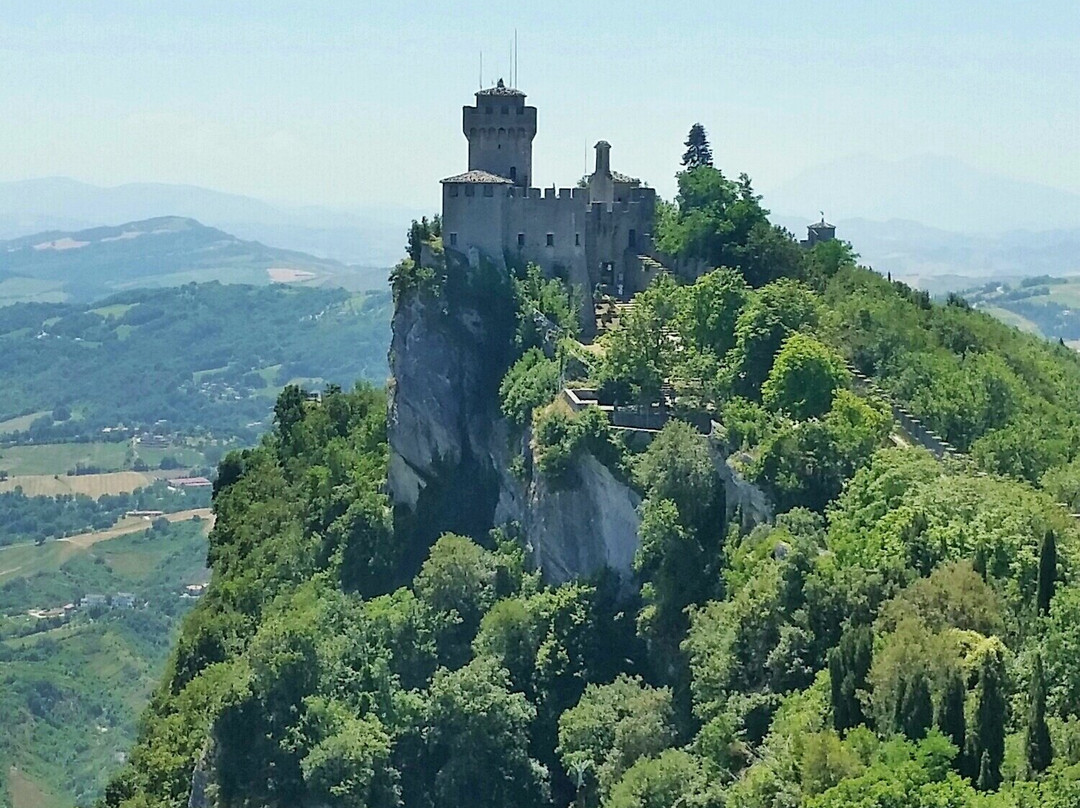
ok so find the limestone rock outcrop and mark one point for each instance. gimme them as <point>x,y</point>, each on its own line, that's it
<point>451,450</point>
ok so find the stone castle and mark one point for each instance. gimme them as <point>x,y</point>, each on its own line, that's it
<point>597,235</point>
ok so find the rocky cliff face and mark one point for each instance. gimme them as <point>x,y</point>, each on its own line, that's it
<point>451,450</point>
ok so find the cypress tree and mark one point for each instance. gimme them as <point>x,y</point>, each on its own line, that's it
<point>917,710</point>
<point>1037,735</point>
<point>1047,572</point>
<point>849,664</point>
<point>987,780</point>
<point>698,153</point>
<point>986,743</point>
<point>950,717</point>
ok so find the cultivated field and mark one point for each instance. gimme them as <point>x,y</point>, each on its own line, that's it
<point>92,485</point>
<point>59,458</point>
<point>21,423</point>
<point>24,560</point>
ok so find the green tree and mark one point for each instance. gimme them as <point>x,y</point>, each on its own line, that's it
<point>457,580</point>
<point>769,318</point>
<point>697,152</point>
<point>288,414</point>
<point>530,382</point>
<point>849,664</point>
<point>639,353</point>
<point>611,727</point>
<point>950,717</point>
<point>1061,650</point>
<point>709,309</point>
<point>477,744</point>
<point>1047,572</point>
<point>986,741</point>
<point>351,764</point>
<point>675,778</point>
<point>678,466</point>
<point>1036,733</point>
<point>670,563</point>
<point>917,709</point>
<point>803,378</point>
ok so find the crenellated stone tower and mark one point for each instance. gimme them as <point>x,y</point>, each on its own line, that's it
<point>500,130</point>
<point>596,236</point>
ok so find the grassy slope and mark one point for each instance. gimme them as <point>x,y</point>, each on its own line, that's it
<point>1051,309</point>
<point>70,695</point>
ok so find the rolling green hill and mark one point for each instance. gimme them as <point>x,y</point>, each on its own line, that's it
<point>71,688</point>
<point>1042,305</point>
<point>199,359</point>
<point>84,265</point>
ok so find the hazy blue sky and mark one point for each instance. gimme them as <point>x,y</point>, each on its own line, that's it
<point>352,103</point>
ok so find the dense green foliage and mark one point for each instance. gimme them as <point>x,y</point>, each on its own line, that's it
<point>201,359</point>
<point>905,631</point>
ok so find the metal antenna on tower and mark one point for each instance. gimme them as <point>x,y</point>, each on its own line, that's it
<point>480,83</point>
<point>515,58</point>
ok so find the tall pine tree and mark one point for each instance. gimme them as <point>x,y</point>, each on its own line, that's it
<point>1037,735</point>
<point>849,664</point>
<point>1047,572</point>
<point>917,710</point>
<point>698,153</point>
<point>986,741</point>
<point>950,715</point>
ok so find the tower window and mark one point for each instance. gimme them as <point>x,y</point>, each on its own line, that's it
<point>521,239</point>
<point>513,173</point>
<point>551,239</point>
<point>453,239</point>
<point>489,190</point>
<point>469,190</point>
<point>487,110</point>
<point>577,239</point>
<point>453,190</point>
<point>633,238</point>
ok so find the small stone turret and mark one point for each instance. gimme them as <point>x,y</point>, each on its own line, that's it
<point>601,183</point>
<point>820,231</point>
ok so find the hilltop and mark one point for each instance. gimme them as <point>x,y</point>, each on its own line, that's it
<point>198,359</point>
<point>367,237</point>
<point>701,560</point>
<point>84,265</point>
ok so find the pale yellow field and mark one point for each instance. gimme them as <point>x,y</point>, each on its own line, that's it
<point>92,485</point>
<point>28,793</point>
<point>22,422</point>
<point>133,524</point>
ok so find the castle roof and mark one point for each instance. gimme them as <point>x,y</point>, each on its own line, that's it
<point>822,225</point>
<point>500,89</point>
<point>477,176</point>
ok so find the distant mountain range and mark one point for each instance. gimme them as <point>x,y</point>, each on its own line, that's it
<point>85,265</point>
<point>371,238</point>
<point>935,221</point>
<point>922,219</point>
<point>939,192</point>
<point>937,259</point>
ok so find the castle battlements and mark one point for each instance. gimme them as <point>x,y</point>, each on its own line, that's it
<point>592,236</point>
